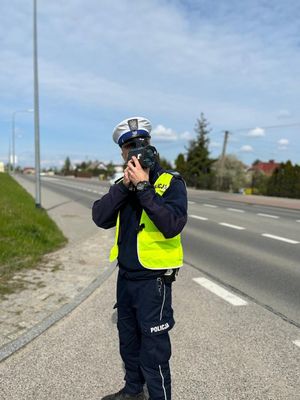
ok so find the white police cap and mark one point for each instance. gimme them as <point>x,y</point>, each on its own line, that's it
<point>131,128</point>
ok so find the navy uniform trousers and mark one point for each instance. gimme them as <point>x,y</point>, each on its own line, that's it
<point>145,316</point>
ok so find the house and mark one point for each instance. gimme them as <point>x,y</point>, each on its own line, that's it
<point>267,168</point>
<point>29,170</point>
<point>97,165</point>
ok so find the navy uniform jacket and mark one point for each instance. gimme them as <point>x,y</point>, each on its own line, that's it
<point>168,212</point>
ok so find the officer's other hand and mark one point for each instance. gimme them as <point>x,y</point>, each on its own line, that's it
<point>135,171</point>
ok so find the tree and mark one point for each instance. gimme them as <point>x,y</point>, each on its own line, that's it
<point>164,163</point>
<point>67,166</point>
<point>110,170</point>
<point>82,166</point>
<point>199,172</point>
<point>259,182</point>
<point>180,165</point>
<point>284,181</point>
<point>257,161</point>
<point>234,173</point>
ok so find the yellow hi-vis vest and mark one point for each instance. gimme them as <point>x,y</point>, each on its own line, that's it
<point>153,249</point>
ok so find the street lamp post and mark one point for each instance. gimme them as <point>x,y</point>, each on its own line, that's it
<point>14,135</point>
<point>36,111</point>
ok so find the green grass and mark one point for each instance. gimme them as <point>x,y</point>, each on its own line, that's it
<point>26,233</point>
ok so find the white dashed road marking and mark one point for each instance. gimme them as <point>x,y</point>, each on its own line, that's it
<point>297,342</point>
<point>235,210</point>
<point>268,215</point>
<point>280,238</point>
<point>191,202</point>
<point>198,217</point>
<point>240,228</point>
<point>210,205</point>
<point>221,292</point>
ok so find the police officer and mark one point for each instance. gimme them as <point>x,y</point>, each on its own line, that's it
<point>149,209</point>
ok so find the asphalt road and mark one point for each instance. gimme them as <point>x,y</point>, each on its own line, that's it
<point>252,249</point>
<point>236,335</point>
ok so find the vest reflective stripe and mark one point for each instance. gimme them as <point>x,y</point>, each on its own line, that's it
<point>115,249</point>
<point>153,249</point>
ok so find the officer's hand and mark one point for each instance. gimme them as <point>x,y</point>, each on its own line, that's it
<point>126,179</point>
<point>135,171</point>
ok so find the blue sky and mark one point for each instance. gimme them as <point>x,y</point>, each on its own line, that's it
<point>236,61</point>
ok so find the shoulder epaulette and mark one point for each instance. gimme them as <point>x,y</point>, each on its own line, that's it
<point>176,174</point>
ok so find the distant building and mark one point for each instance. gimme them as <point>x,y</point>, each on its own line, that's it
<point>267,168</point>
<point>97,165</point>
<point>29,170</point>
<point>1,166</point>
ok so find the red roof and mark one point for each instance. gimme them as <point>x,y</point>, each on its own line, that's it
<point>266,167</point>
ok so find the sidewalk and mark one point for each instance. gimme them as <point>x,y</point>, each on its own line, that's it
<point>62,275</point>
<point>293,204</point>
<point>282,202</point>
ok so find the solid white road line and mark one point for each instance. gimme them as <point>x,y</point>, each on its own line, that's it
<point>280,238</point>
<point>240,228</point>
<point>221,292</point>
<point>297,342</point>
<point>268,215</point>
<point>298,220</point>
<point>198,217</point>
<point>210,205</point>
<point>236,210</point>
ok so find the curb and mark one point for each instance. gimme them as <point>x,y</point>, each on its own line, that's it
<point>15,345</point>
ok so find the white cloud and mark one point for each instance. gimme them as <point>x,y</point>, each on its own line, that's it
<point>164,134</point>
<point>257,132</point>
<point>246,149</point>
<point>283,142</point>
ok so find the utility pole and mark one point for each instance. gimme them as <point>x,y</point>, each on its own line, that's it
<point>36,112</point>
<point>221,171</point>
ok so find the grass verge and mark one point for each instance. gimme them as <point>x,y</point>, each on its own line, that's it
<point>26,233</point>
